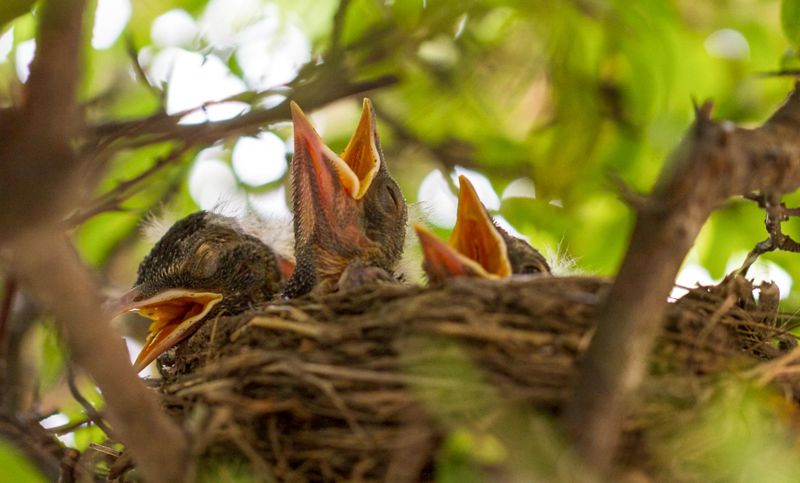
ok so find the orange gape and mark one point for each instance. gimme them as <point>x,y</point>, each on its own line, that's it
<point>475,247</point>
<point>361,153</point>
<point>175,313</point>
<point>205,264</point>
<point>349,214</point>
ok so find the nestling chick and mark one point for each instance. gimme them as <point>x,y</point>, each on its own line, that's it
<point>203,267</point>
<point>477,246</point>
<point>349,214</point>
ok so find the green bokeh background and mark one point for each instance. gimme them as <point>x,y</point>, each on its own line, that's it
<point>566,93</point>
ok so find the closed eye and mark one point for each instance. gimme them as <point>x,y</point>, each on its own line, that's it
<point>393,198</point>
<point>205,262</point>
<point>530,269</point>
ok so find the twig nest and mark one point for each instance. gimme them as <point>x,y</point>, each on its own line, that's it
<point>368,384</point>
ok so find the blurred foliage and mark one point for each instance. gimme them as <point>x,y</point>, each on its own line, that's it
<point>740,434</point>
<point>10,9</point>
<point>790,21</point>
<point>16,467</point>
<point>564,93</point>
<point>488,435</point>
<point>226,469</point>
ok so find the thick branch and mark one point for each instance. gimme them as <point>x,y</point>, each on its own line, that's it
<point>38,176</point>
<point>50,269</point>
<point>55,70</point>
<point>36,140</point>
<point>715,161</point>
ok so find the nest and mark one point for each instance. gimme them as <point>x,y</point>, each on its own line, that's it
<point>371,384</point>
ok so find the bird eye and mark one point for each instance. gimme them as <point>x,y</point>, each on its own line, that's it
<point>391,198</point>
<point>205,262</point>
<point>528,269</point>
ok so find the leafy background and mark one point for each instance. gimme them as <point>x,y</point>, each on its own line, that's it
<point>547,105</point>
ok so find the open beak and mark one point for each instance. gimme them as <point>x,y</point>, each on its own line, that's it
<point>327,186</point>
<point>321,164</point>
<point>175,314</point>
<point>441,261</point>
<point>475,247</point>
<point>361,153</point>
<point>475,235</point>
<point>359,163</point>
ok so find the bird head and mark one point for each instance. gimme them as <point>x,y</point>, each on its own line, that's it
<point>477,247</point>
<point>346,208</point>
<point>205,265</point>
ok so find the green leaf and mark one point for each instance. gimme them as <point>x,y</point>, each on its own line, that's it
<point>87,435</point>
<point>16,467</point>
<point>790,20</point>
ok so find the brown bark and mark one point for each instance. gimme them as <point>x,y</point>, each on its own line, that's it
<point>38,174</point>
<point>715,161</point>
<point>53,272</point>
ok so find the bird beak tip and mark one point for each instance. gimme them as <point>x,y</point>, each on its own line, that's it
<point>170,327</point>
<point>366,104</point>
<point>302,124</point>
<point>125,303</point>
<point>467,193</point>
<point>295,109</point>
<point>475,235</point>
<point>442,260</point>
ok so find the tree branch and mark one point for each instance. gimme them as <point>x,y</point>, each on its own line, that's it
<point>49,268</point>
<point>113,199</point>
<point>39,135</point>
<point>39,173</point>
<point>91,411</point>
<point>776,214</point>
<point>164,127</point>
<point>716,160</point>
<point>450,152</point>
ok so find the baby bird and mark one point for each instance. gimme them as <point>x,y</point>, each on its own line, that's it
<point>477,246</point>
<point>203,267</point>
<point>349,213</point>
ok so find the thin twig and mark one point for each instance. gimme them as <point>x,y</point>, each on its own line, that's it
<point>779,73</point>
<point>330,391</point>
<point>69,427</point>
<point>448,153</point>
<point>770,370</point>
<point>314,331</point>
<point>776,213</point>
<point>628,195</point>
<point>130,48</point>
<point>162,127</point>
<point>91,412</point>
<point>113,199</point>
